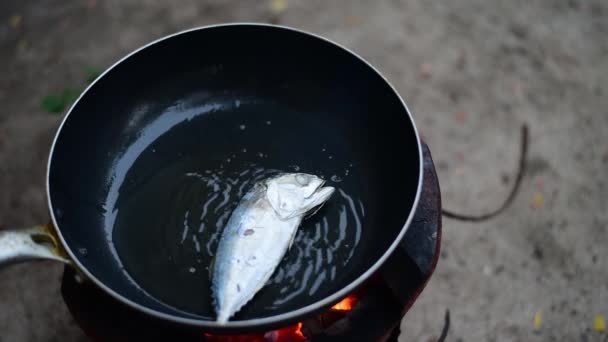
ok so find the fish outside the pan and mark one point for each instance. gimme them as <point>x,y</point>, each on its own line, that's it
<point>258,234</point>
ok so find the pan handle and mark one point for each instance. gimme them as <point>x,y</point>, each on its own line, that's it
<point>39,242</point>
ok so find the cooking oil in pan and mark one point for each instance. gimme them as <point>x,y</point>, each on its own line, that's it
<point>169,222</point>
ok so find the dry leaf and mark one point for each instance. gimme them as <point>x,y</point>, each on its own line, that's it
<point>15,20</point>
<point>353,20</point>
<point>599,323</point>
<point>537,321</point>
<point>537,200</point>
<point>278,6</point>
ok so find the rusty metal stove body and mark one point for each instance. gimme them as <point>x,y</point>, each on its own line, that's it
<point>376,315</point>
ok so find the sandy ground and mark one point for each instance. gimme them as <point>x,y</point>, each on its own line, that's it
<point>471,71</point>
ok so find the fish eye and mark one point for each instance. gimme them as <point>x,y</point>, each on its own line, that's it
<point>303,179</point>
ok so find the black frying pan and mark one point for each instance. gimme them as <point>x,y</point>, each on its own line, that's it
<point>153,156</point>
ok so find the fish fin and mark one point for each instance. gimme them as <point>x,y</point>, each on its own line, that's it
<point>211,268</point>
<point>293,238</point>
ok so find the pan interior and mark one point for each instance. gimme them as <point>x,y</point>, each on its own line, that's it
<point>152,160</point>
<point>170,215</point>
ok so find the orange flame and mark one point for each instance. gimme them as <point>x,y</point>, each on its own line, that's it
<point>298,330</point>
<point>346,304</point>
<point>288,334</point>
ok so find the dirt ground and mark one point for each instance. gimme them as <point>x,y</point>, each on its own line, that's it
<point>472,71</point>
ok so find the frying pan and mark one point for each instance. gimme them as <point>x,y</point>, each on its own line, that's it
<point>152,157</point>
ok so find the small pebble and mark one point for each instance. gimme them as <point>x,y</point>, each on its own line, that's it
<point>461,116</point>
<point>517,89</point>
<point>487,270</point>
<point>537,253</point>
<point>425,71</point>
<point>540,184</point>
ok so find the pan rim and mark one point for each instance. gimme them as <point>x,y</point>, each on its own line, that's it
<point>251,323</point>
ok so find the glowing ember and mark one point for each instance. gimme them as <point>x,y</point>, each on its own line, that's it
<point>346,304</point>
<point>288,334</point>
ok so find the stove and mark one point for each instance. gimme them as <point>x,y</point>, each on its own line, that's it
<point>371,313</point>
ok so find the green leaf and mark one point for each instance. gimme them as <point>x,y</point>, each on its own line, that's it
<point>53,104</point>
<point>70,95</point>
<point>57,103</point>
<point>92,73</point>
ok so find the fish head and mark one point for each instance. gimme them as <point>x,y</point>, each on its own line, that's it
<point>295,194</point>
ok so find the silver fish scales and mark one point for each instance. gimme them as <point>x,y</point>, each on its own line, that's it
<point>258,234</point>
